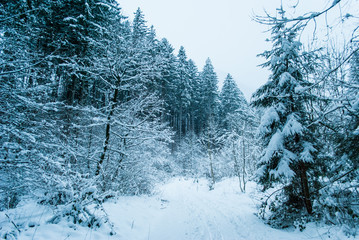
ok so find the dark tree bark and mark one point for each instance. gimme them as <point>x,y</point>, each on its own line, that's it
<point>305,187</point>
<point>107,133</point>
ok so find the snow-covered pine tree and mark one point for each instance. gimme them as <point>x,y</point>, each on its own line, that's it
<point>183,87</point>
<point>231,99</point>
<point>230,95</point>
<point>139,65</point>
<point>195,96</point>
<point>289,146</point>
<point>139,28</point>
<point>238,121</point>
<point>209,95</point>
<point>168,72</point>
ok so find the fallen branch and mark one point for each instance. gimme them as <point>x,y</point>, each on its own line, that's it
<point>13,223</point>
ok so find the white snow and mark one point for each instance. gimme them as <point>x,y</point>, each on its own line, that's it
<point>275,146</point>
<point>268,118</point>
<point>306,154</point>
<point>286,78</point>
<point>180,209</point>
<point>283,168</point>
<point>292,126</point>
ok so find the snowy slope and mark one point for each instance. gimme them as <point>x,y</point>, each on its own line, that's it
<point>181,209</point>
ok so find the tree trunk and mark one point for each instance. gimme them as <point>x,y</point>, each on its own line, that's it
<point>192,122</point>
<point>212,172</point>
<point>305,187</point>
<point>107,134</point>
<point>236,166</point>
<point>89,149</point>
<point>211,187</point>
<point>180,124</point>
<point>244,166</point>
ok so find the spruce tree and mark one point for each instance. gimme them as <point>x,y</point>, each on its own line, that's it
<point>232,100</point>
<point>195,96</point>
<point>209,94</point>
<point>289,150</point>
<point>168,74</point>
<point>182,92</point>
<point>139,28</point>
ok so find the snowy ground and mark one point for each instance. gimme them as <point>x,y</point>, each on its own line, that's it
<point>181,209</point>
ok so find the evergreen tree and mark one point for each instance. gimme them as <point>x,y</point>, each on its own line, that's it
<point>232,100</point>
<point>139,29</point>
<point>182,87</point>
<point>288,143</point>
<point>209,94</point>
<point>195,97</point>
<point>238,121</point>
<point>168,74</point>
<point>144,67</point>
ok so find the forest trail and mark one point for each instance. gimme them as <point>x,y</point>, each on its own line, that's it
<point>181,209</point>
<point>186,209</point>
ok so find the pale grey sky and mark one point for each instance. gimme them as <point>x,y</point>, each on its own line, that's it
<point>219,29</point>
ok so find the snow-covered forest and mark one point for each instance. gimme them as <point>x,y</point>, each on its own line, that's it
<point>97,113</point>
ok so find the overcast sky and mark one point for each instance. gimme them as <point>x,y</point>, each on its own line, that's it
<point>219,29</point>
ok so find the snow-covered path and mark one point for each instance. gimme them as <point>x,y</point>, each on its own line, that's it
<point>186,209</point>
<point>203,214</point>
<point>182,209</point>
